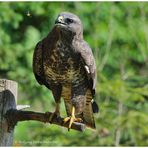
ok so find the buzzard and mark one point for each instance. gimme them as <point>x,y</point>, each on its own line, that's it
<point>64,63</point>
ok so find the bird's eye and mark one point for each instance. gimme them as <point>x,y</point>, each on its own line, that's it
<point>68,20</point>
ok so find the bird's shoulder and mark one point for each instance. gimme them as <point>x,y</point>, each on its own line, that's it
<point>82,47</point>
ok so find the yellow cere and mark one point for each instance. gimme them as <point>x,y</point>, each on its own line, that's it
<point>61,18</point>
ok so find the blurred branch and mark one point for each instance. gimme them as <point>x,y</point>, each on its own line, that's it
<point>137,81</point>
<point>118,131</point>
<point>134,34</point>
<point>120,107</point>
<point>145,29</point>
<point>13,116</point>
<point>109,41</point>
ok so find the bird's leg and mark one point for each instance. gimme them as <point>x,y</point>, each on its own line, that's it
<point>57,109</point>
<point>72,118</point>
<point>55,113</point>
<point>56,91</point>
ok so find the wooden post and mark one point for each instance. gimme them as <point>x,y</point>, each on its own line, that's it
<point>8,96</point>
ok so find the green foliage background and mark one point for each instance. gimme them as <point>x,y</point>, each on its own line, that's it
<point>118,35</point>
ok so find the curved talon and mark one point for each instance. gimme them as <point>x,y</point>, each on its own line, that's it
<point>79,120</point>
<point>51,117</point>
<point>70,122</point>
<point>55,114</point>
<point>48,114</point>
<point>72,119</point>
<point>66,119</point>
<point>75,119</point>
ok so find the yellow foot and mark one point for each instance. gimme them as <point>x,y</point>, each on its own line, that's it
<point>71,119</point>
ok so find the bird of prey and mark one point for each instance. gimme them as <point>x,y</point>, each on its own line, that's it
<point>64,63</point>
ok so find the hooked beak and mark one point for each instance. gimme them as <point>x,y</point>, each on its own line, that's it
<point>60,21</point>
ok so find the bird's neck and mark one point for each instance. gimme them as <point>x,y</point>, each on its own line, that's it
<point>66,37</point>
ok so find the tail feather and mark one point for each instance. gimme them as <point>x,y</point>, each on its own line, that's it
<point>95,107</point>
<point>89,109</point>
<point>88,116</point>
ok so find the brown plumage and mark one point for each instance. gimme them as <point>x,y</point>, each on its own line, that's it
<point>64,63</point>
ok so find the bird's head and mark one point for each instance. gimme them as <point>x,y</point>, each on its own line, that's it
<point>68,22</point>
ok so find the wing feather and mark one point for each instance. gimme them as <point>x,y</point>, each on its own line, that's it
<point>37,62</point>
<point>38,66</point>
<point>89,63</point>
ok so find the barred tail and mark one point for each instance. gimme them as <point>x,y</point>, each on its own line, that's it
<point>88,111</point>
